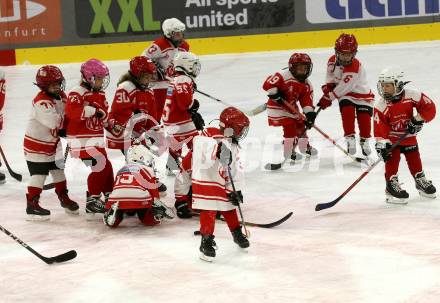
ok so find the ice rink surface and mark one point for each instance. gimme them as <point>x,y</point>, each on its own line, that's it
<point>361,250</point>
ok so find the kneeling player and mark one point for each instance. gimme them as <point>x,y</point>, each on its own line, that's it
<point>393,117</point>
<point>135,191</point>
<point>215,154</point>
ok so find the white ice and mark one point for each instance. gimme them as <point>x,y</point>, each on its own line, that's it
<point>361,250</point>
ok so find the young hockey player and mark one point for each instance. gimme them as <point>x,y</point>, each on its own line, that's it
<point>206,179</point>
<point>292,86</point>
<point>42,146</point>
<point>347,82</point>
<point>86,111</point>
<point>162,52</point>
<point>135,191</point>
<point>133,108</point>
<point>2,104</point>
<point>393,117</point>
<point>180,116</point>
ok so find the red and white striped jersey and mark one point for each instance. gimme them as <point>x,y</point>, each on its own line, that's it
<point>129,101</point>
<point>391,118</point>
<point>41,140</point>
<point>175,116</point>
<point>85,132</point>
<point>351,82</point>
<point>162,52</point>
<point>2,96</point>
<point>135,187</point>
<point>209,179</point>
<point>292,91</point>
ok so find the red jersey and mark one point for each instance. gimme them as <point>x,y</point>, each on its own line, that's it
<point>135,187</point>
<point>128,101</point>
<point>85,132</point>
<point>162,52</point>
<point>2,96</point>
<point>391,119</point>
<point>351,82</point>
<point>175,114</point>
<point>292,91</point>
<point>41,140</point>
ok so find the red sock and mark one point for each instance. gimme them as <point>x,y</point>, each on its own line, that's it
<point>231,219</point>
<point>207,222</point>
<point>60,186</point>
<point>34,191</point>
<point>348,118</point>
<point>414,162</point>
<point>392,165</point>
<point>364,122</point>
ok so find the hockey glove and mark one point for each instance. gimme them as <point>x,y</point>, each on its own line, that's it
<point>311,116</point>
<point>197,118</point>
<point>277,97</point>
<point>415,126</point>
<point>62,133</point>
<point>100,114</point>
<point>326,88</point>
<point>224,154</point>
<point>235,197</point>
<point>325,101</point>
<point>383,150</point>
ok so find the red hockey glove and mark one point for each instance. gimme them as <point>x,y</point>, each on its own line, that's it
<point>326,88</point>
<point>324,102</point>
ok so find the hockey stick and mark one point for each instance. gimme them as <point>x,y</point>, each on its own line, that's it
<point>238,204</point>
<point>57,259</point>
<point>322,206</point>
<point>294,111</point>
<point>13,174</point>
<point>262,225</point>
<point>259,109</point>
<point>52,185</point>
<point>276,166</point>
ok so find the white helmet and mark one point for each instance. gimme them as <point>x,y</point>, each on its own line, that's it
<point>171,26</point>
<point>187,63</point>
<point>392,75</point>
<point>140,154</point>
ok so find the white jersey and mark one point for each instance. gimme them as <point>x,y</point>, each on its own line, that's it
<point>41,141</point>
<point>162,53</point>
<point>351,82</point>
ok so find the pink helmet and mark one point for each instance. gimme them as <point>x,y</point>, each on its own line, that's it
<point>92,69</point>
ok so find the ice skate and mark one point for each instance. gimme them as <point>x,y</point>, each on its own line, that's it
<point>207,251</point>
<point>365,146</point>
<point>94,205</point>
<point>239,238</point>
<point>424,186</point>
<point>394,193</point>
<point>351,144</point>
<point>34,211</point>
<point>70,207</point>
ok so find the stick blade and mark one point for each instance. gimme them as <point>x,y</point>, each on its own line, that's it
<point>322,206</point>
<point>61,258</point>
<point>272,224</point>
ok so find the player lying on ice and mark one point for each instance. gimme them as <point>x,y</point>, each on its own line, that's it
<point>204,179</point>
<point>135,191</point>
<point>393,117</point>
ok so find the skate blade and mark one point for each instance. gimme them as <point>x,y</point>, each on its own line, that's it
<point>71,212</point>
<point>393,200</point>
<point>428,196</point>
<point>36,218</point>
<point>206,258</point>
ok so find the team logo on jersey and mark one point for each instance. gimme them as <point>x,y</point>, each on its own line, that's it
<point>93,123</point>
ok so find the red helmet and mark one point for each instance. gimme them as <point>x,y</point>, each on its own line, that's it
<point>142,65</point>
<point>346,43</point>
<point>300,59</point>
<point>47,75</point>
<point>236,120</point>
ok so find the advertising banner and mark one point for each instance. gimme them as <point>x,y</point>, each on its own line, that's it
<point>103,18</point>
<point>25,21</point>
<point>331,11</point>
